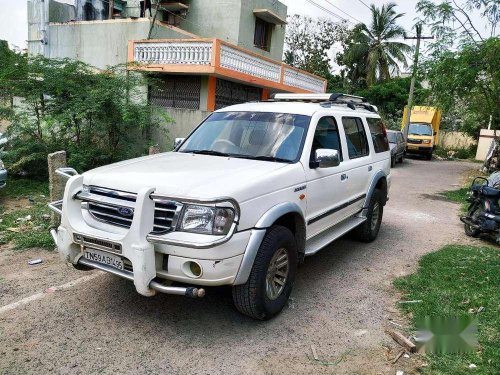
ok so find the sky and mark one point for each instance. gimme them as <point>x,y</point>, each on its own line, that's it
<point>14,28</point>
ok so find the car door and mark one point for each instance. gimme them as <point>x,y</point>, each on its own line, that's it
<point>326,187</point>
<point>360,163</point>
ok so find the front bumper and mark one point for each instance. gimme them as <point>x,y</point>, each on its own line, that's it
<point>152,263</point>
<point>423,150</point>
<point>3,178</point>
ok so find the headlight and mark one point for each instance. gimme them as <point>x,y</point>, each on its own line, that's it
<point>2,166</point>
<point>426,141</point>
<point>207,220</point>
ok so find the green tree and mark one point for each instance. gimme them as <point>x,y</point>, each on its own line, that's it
<point>99,117</point>
<point>373,47</point>
<point>308,43</point>
<point>451,24</point>
<point>467,82</point>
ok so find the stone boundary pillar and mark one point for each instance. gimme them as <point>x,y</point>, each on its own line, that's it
<point>154,149</point>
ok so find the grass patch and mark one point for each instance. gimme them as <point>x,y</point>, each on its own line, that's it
<point>19,199</point>
<point>451,282</point>
<point>458,196</point>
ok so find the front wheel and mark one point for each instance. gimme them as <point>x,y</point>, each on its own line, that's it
<point>272,277</point>
<point>393,161</point>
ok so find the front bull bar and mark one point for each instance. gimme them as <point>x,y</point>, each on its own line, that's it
<point>190,291</point>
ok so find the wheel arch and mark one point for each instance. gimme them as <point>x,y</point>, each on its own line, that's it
<point>379,181</point>
<point>288,215</point>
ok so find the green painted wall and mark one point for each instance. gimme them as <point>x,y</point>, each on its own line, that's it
<point>247,27</point>
<point>101,43</point>
<point>234,22</point>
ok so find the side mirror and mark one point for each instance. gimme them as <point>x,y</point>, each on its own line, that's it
<point>326,158</point>
<point>435,133</point>
<point>178,142</point>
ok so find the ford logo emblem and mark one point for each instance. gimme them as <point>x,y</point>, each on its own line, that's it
<point>124,211</point>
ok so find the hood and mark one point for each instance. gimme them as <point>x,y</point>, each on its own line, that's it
<point>196,176</point>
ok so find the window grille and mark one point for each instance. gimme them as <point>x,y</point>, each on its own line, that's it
<point>230,93</point>
<point>176,92</point>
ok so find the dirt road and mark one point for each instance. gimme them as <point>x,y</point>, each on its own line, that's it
<point>341,303</point>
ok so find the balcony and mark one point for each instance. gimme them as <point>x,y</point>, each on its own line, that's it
<point>220,59</point>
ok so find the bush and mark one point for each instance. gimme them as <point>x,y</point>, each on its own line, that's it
<point>97,117</point>
<point>460,153</point>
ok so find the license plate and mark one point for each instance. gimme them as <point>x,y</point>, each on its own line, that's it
<point>411,147</point>
<point>103,258</point>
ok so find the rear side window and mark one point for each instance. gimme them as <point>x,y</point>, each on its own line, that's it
<point>379,135</point>
<point>357,143</point>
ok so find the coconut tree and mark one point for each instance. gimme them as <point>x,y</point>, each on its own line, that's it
<point>377,44</point>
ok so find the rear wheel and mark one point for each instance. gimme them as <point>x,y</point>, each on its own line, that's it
<point>428,156</point>
<point>272,277</point>
<point>474,212</point>
<point>368,231</point>
<point>393,161</point>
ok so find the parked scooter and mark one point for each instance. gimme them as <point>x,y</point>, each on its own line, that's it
<point>483,214</point>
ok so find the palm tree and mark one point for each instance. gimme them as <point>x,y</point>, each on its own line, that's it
<point>376,46</point>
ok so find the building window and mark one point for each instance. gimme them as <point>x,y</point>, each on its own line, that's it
<point>229,93</point>
<point>263,33</point>
<point>176,92</point>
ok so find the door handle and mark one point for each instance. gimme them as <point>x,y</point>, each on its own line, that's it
<point>343,177</point>
<point>370,168</point>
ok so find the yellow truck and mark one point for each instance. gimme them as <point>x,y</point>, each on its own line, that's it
<point>423,131</point>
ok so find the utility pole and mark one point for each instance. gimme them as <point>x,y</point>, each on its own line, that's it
<point>413,76</point>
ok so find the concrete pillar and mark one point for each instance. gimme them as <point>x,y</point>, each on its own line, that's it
<point>56,183</point>
<point>154,150</point>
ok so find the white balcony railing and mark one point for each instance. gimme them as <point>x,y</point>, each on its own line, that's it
<point>295,78</point>
<point>223,59</point>
<point>199,53</point>
<point>235,59</point>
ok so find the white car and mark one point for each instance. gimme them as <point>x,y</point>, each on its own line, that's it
<point>242,200</point>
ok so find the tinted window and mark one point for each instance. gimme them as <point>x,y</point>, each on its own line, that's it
<point>326,136</point>
<point>379,137</point>
<point>392,137</point>
<point>357,144</point>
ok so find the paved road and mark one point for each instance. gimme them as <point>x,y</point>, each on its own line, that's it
<point>341,303</point>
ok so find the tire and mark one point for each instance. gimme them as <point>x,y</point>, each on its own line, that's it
<point>368,231</point>
<point>393,162</point>
<point>474,211</point>
<point>402,158</point>
<point>428,157</point>
<point>257,298</point>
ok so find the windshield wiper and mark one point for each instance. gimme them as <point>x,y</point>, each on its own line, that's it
<point>268,158</point>
<point>208,152</point>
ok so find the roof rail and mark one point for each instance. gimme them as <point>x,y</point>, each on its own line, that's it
<point>351,101</point>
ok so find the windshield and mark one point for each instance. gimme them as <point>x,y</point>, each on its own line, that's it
<point>420,129</point>
<point>391,137</point>
<point>252,135</point>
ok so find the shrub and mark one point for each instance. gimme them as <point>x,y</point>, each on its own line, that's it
<point>98,117</point>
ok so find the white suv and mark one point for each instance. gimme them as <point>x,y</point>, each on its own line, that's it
<point>242,200</point>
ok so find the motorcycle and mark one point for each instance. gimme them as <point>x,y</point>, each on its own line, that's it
<point>483,214</point>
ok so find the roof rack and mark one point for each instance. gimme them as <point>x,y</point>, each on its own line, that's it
<point>326,100</point>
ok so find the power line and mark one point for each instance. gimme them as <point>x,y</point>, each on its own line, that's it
<point>328,11</point>
<point>347,14</point>
<point>362,2</point>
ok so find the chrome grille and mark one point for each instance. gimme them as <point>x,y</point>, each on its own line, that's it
<point>414,141</point>
<point>165,215</point>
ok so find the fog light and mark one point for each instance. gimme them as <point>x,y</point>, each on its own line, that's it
<point>195,269</point>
